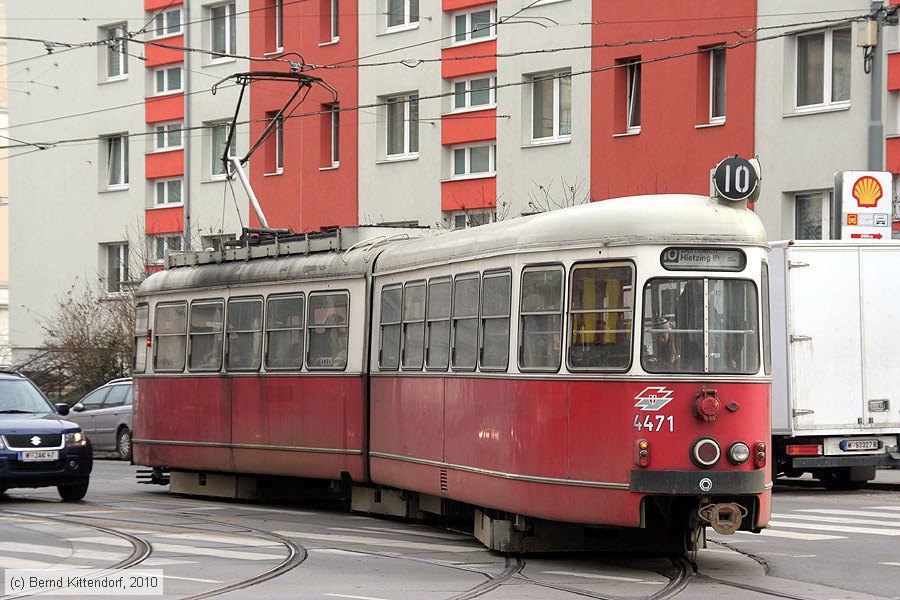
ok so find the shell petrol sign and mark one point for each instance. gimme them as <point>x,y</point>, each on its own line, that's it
<point>864,201</point>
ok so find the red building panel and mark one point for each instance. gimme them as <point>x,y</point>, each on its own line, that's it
<point>154,5</point>
<point>471,59</point>
<point>893,70</point>
<point>469,194</point>
<point>159,109</point>
<point>455,5</point>
<point>475,126</point>
<point>892,154</point>
<point>310,193</point>
<point>676,146</point>
<point>168,52</point>
<point>164,220</point>
<point>164,164</point>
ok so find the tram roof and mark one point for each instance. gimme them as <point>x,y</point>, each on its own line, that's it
<point>659,219</point>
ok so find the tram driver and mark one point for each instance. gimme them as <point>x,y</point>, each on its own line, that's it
<point>661,355</point>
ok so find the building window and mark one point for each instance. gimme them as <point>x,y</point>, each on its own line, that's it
<point>823,68</point>
<point>116,161</point>
<point>163,244</point>
<point>335,21</point>
<point>403,126</point>
<point>475,26</point>
<point>477,93</point>
<point>633,98</point>
<point>335,135</point>
<point>473,218</point>
<point>279,24</point>
<point>402,13</point>
<point>717,85</point>
<point>168,191</point>
<point>166,23</point>
<point>218,138</point>
<point>478,160</point>
<point>167,81</point>
<point>274,144</point>
<point>168,136</point>
<point>116,52</point>
<point>223,23</point>
<point>812,215</point>
<point>551,96</point>
<point>116,267</point>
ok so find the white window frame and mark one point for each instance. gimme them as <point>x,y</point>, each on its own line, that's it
<point>557,109</point>
<point>228,21</point>
<point>461,38</point>
<point>407,152</point>
<point>826,197</point>
<point>467,94</point>
<point>335,21</point>
<point>116,47</point>
<point>278,139</point>
<point>335,135</point>
<point>165,239</point>
<point>469,217</point>
<point>161,24</point>
<point>407,22</point>
<point>118,180</point>
<point>166,90</point>
<point>634,80</point>
<point>122,275</point>
<point>166,186</point>
<point>165,130</point>
<point>466,151</point>
<point>216,152</point>
<point>714,78</point>
<point>828,74</point>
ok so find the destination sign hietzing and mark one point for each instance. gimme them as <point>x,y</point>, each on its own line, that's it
<point>703,259</point>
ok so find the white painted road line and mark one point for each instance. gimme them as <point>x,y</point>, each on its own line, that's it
<point>235,540</point>
<point>834,528</point>
<point>604,577</point>
<point>795,535</point>
<point>61,552</point>
<point>838,520</point>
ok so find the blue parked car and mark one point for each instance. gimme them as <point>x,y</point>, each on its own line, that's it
<point>37,447</point>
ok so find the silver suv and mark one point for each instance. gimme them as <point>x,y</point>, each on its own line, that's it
<point>104,416</point>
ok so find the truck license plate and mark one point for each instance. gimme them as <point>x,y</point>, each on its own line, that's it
<point>850,445</point>
<point>38,455</point>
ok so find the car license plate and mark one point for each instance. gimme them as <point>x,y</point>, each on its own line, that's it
<point>38,455</point>
<point>850,445</point>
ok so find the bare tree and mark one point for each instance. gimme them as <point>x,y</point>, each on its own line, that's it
<point>545,198</point>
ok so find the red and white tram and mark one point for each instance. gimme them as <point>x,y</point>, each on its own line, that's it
<point>604,366</point>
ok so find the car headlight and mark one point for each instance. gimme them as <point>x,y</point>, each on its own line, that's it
<point>74,440</point>
<point>738,453</point>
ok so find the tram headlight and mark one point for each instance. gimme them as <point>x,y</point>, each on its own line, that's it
<point>705,452</point>
<point>738,453</point>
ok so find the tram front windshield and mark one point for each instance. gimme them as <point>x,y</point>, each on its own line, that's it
<point>700,326</point>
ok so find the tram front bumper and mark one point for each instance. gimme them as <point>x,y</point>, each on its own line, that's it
<point>694,483</point>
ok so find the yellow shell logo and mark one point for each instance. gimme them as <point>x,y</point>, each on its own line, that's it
<point>867,192</point>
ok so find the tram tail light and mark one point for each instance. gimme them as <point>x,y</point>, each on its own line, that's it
<point>760,457</point>
<point>642,453</point>
<point>805,450</point>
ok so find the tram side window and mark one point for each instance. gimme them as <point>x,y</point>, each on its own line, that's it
<point>169,337</point>
<point>495,308</point>
<point>600,317</point>
<point>541,319</point>
<point>413,325</point>
<point>207,323</point>
<point>465,322</point>
<point>244,329</point>
<point>141,323</point>
<point>700,326</point>
<point>391,299</point>
<point>437,317</point>
<point>328,331</point>
<point>284,333</point>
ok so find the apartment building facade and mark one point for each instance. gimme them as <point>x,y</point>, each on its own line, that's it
<point>131,81</point>
<point>448,114</point>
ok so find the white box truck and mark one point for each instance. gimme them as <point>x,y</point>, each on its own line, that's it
<point>835,330</point>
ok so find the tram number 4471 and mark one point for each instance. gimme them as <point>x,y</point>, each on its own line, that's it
<point>655,423</point>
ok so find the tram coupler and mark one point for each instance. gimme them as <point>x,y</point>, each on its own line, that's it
<point>724,518</point>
